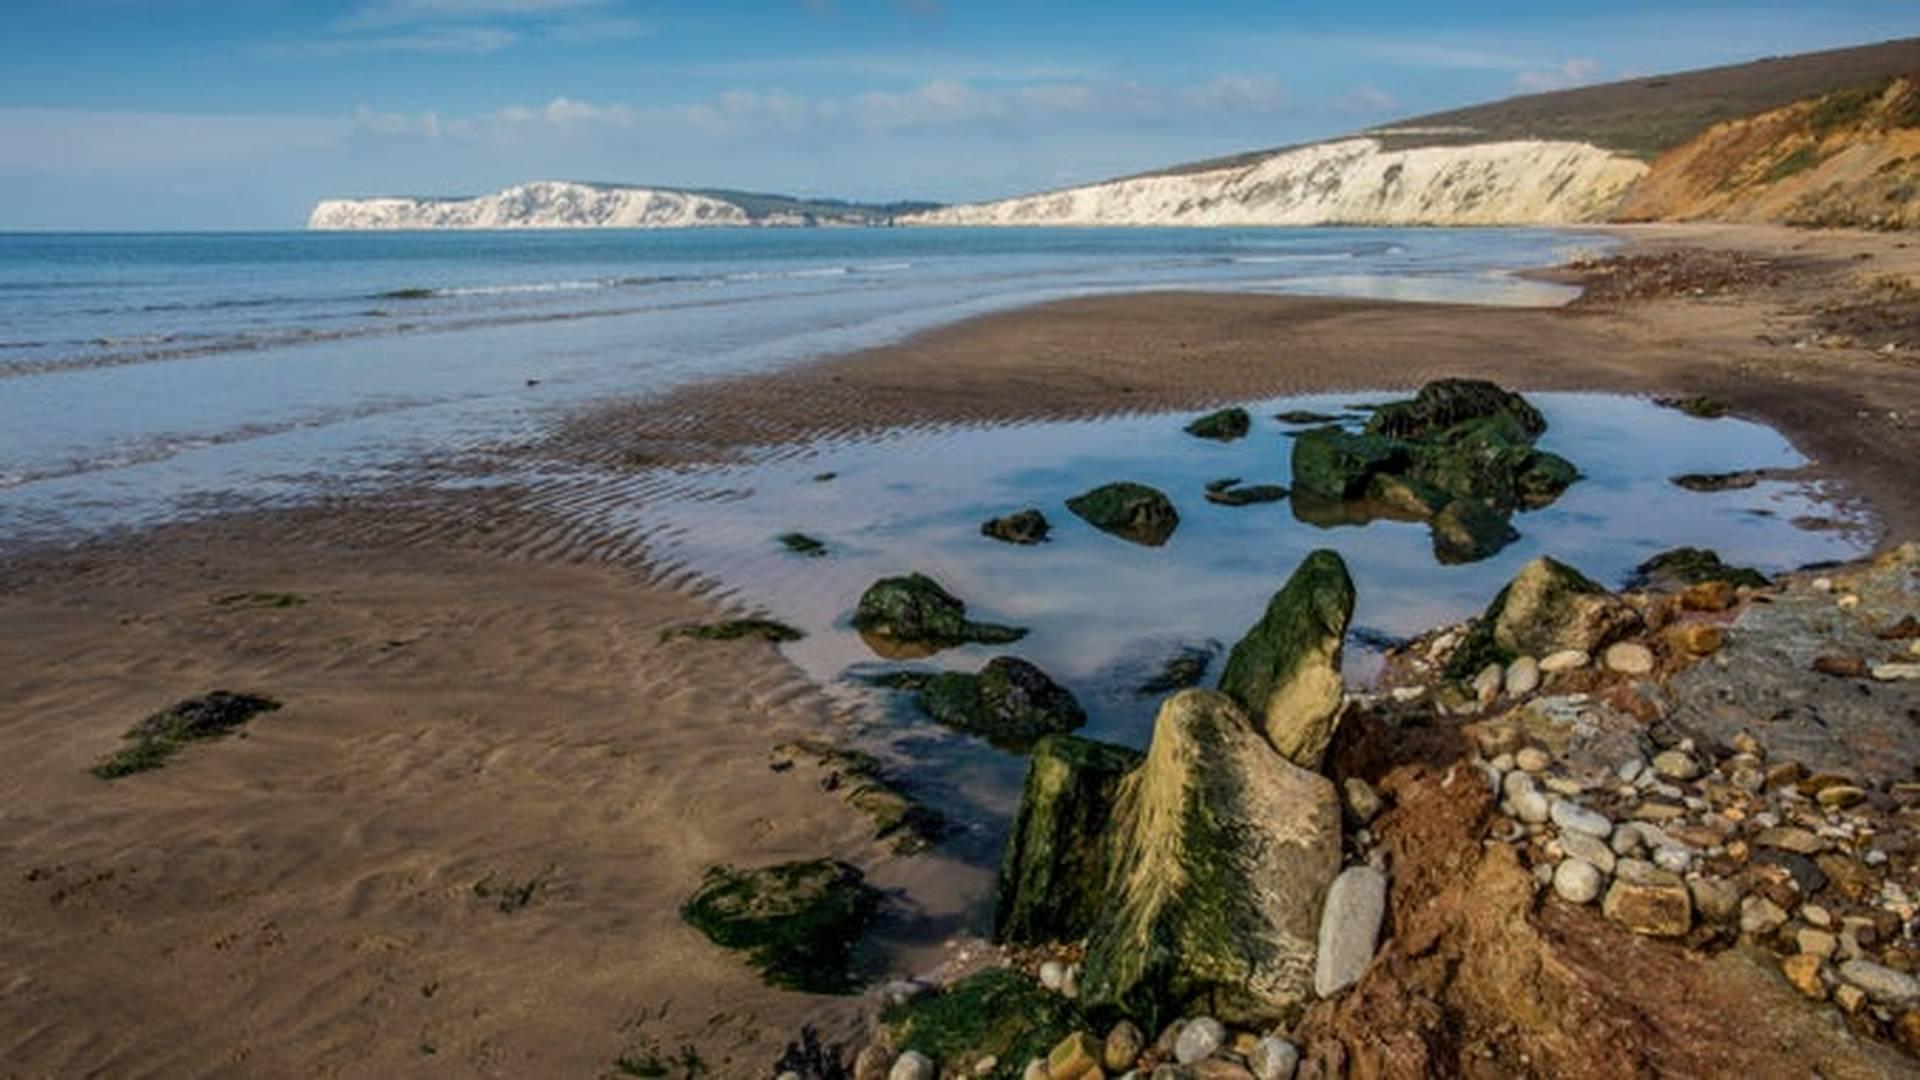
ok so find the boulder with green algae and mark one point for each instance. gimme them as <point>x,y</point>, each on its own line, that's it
<point>997,1013</point>
<point>1468,530</point>
<point>1129,511</point>
<point>797,922</point>
<point>1223,425</point>
<point>1286,671</point>
<point>1010,703</point>
<point>1445,403</point>
<point>1052,871</point>
<point>1676,569</point>
<point>1231,492</point>
<point>1220,854</point>
<point>1026,527</point>
<point>1548,607</point>
<point>915,610</point>
<point>1333,463</point>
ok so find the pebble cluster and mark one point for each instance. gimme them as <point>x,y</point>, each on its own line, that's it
<point>1198,1048</point>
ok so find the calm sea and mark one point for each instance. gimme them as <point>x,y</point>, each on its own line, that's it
<point>147,377</point>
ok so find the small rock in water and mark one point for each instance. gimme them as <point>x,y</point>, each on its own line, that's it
<point>1629,658</point>
<point>1576,881</point>
<point>1349,928</point>
<point>1576,818</point>
<point>1026,527</point>
<point>1274,1058</point>
<point>1565,660</point>
<point>1523,677</point>
<point>912,1065</point>
<point>1199,1040</point>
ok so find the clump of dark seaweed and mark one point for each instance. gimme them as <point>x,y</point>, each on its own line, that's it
<point>161,735</point>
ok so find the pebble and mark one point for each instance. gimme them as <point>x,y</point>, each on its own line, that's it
<point>1577,881</point>
<point>1673,858</point>
<point>912,1065</point>
<point>1123,1047</point>
<point>1803,971</point>
<point>1897,672</point>
<point>1816,915</point>
<point>1675,765</point>
<point>1199,1040</point>
<point>1817,943</point>
<point>1626,839</point>
<point>1588,849</point>
<point>1363,803</point>
<point>1349,928</point>
<point>1850,998</point>
<point>1503,762</point>
<point>1629,658</point>
<point>1822,584</point>
<point>1564,660</point>
<point>1070,983</point>
<point>1274,1058</point>
<point>1036,1070</point>
<point>1648,900</point>
<point>872,1063</point>
<point>1840,796</point>
<point>1486,685</point>
<point>1076,1057</point>
<point>1529,805</point>
<point>1523,677</point>
<point>1760,916</point>
<point>1572,816</point>
<point>1053,974</point>
<point>1882,984</point>
<point>1407,694</point>
<point>1716,899</point>
<point>1532,759</point>
<point>1629,770</point>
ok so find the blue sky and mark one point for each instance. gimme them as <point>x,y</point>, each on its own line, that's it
<point>240,113</point>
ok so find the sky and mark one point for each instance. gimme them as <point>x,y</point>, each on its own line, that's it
<point>211,114</point>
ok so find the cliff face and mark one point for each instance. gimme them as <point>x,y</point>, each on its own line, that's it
<point>1850,158</point>
<point>540,205</point>
<point>1349,182</point>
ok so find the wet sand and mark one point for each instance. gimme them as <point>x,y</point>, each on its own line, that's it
<point>476,694</point>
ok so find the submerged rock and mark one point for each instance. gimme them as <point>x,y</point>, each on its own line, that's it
<point>1052,884</point>
<point>1549,607</point>
<point>1286,671</point>
<point>1130,511</point>
<point>1469,530</point>
<point>1026,527</point>
<point>1224,425</point>
<point>801,544</point>
<point>798,922</point>
<point>914,611</point>
<point>1222,852</point>
<point>1233,493</point>
<point>1673,570</point>
<point>1177,672</point>
<point>1010,703</point>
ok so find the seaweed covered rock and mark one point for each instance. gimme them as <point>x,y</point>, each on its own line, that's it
<point>158,737</point>
<point>1026,527</point>
<point>797,922</point>
<point>1548,607</point>
<point>1334,463</point>
<point>1445,403</point>
<point>1223,425</point>
<point>908,827</point>
<point>1052,882</point>
<point>1130,511</point>
<point>1671,571</point>
<point>1468,530</point>
<point>1222,852</point>
<point>1231,492</point>
<point>772,631</point>
<point>1286,671</point>
<point>912,614</point>
<point>1010,702</point>
<point>996,1013</point>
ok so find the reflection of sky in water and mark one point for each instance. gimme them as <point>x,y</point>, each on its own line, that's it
<point>1104,613</point>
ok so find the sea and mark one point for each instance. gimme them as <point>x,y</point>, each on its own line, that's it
<point>154,377</point>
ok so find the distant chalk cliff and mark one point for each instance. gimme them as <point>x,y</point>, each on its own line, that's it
<point>566,204</point>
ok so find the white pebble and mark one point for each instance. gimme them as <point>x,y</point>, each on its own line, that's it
<point>1576,881</point>
<point>1571,815</point>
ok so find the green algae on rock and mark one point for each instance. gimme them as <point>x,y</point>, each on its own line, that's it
<point>1683,566</point>
<point>1185,668</point>
<point>1129,511</point>
<point>995,1013</point>
<point>1053,870</point>
<point>1223,425</point>
<point>1029,526</point>
<point>801,544</point>
<point>798,922</point>
<point>1468,530</point>
<point>903,615</point>
<point>1222,852</point>
<point>160,736</point>
<point>908,826</point>
<point>1447,403</point>
<point>1334,463</point>
<point>1286,671</point>
<point>768,630</point>
<point>1230,492</point>
<point>1548,607</point>
<point>1010,703</point>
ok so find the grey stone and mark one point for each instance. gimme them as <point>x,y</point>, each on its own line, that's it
<point>1576,818</point>
<point>1200,1039</point>
<point>1523,677</point>
<point>1349,928</point>
<point>1883,984</point>
<point>912,1065</point>
<point>1588,849</point>
<point>1274,1058</point>
<point>1675,765</point>
<point>1577,881</point>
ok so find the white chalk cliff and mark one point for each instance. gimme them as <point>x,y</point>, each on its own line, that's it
<point>546,204</point>
<point>1355,181</point>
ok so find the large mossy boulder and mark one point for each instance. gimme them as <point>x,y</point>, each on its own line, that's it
<point>913,615</point>
<point>1548,607</point>
<point>797,922</point>
<point>1671,571</point>
<point>1445,403</point>
<point>997,1013</point>
<point>1333,463</point>
<point>1223,425</point>
<point>1286,671</point>
<point>1129,511</point>
<point>1221,854</point>
<point>1052,883</point>
<point>1010,703</point>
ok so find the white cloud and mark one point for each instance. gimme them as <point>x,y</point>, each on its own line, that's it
<point>1576,72</point>
<point>458,40</point>
<point>385,13</point>
<point>1365,98</point>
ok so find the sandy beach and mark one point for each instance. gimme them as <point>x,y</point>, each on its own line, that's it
<point>461,845</point>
